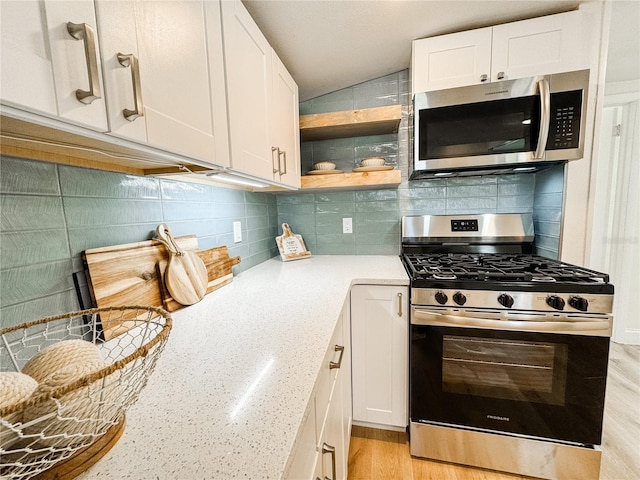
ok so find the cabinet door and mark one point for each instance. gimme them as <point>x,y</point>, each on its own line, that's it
<point>285,125</point>
<point>75,62</point>
<point>174,73</point>
<point>449,61</point>
<point>304,462</point>
<point>248,66</point>
<point>379,338</point>
<point>332,444</point>
<point>43,65</point>
<point>27,71</point>
<point>118,35</point>
<point>538,46</point>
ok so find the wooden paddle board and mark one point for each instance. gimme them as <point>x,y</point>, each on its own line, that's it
<point>186,275</point>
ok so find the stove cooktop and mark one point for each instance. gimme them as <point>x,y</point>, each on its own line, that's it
<point>494,271</point>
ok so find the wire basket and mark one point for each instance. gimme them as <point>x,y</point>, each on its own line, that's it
<point>79,402</point>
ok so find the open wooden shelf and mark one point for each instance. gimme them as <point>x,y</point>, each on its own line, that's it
<point>352,181</point>
<point>351,123</point>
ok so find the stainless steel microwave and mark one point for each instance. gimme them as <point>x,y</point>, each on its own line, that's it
<point>514,125</point>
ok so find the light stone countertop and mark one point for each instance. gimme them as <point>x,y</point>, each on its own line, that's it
<point>231,388</point>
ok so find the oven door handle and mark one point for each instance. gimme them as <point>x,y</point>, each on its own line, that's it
<point>584,326</point>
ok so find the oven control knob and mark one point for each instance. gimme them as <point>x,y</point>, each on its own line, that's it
<point>459,298</point>
<point>441,297</point>
<point>505,300</point>
<point>579,303</point>
<point>555,301</point>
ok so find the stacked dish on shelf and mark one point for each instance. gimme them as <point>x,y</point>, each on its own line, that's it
<point>324,168</point>
<point>372,164</point>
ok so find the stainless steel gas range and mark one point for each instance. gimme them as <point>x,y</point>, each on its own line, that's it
<point>508,350</point>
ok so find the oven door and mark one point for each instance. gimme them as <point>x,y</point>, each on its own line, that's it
<point>533,383</point>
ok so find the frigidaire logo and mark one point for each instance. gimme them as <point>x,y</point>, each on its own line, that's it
<point>496,417</point>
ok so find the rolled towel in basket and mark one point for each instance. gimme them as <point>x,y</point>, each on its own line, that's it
<point>14,388</point>
<point>59,355</point>
<point>88,410</point>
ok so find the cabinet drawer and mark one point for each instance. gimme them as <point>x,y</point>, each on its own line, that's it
<point>330,368</point>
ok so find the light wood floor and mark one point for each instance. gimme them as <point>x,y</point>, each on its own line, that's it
<point>384,455</point>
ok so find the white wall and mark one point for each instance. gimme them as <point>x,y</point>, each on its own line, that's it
<point>615,235</point>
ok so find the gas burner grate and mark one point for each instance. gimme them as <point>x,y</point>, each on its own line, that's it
<point>497,267</point>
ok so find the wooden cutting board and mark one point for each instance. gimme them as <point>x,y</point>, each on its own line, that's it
<point>218,265</point>
<point>185,275</point>
<point>126,275</point>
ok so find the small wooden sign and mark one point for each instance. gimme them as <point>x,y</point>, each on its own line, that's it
<point>291,245</point>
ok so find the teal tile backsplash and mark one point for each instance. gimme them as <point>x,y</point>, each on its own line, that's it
<point>51,213</point>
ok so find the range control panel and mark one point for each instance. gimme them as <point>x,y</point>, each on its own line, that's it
<point>464,225</point>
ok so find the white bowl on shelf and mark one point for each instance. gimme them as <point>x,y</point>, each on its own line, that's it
<point>324,166</point>
<point>372,162</point>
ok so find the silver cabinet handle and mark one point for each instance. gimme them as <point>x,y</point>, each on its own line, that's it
<point>275,149</point>
<point>500,75</point>
<point>545,114</point>
<point>82,31</point>
<point>129,60</point>
<point>483,77</point>
<point>332,365</point>
<point>400,304</point>
<point>284,155</point>
<point>326,448</point>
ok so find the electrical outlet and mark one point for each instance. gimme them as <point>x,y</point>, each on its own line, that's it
<point>347,225</point>
<point>237,232</point>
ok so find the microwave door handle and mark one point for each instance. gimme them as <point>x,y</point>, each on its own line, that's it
<point>601,327</point>
<point>545,118</point>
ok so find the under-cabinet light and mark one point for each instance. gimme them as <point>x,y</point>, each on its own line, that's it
<point>229,178</point>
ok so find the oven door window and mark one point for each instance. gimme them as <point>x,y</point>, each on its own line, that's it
<point>505,369</point>
<point>483,128</point>
<point>536,384</point>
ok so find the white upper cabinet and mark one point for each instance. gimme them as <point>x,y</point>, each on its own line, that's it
<point>450,61</point>
<point>262,102</point>
<point>537,46</point>
<point>544,45</point>
<point>249,79</point>
<point>285,129</point>
<point>158,57</point>
<point>51,61</point>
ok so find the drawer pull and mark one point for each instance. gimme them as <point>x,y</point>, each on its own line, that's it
<point>82,31</point>
<point>337,364</point>
<point>326,448</point>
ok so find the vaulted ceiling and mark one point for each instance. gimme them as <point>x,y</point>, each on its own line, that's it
<point>328,45</point>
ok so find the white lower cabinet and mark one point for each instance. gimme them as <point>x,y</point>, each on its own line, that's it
<point>322,449</point>
<point>379,337</point>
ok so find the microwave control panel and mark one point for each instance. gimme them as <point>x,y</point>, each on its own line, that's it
<point>564,127</point>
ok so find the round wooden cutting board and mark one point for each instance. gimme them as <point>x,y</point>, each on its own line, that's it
<point>186,276</point>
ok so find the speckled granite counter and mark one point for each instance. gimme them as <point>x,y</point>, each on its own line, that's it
<point>231,388</point>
